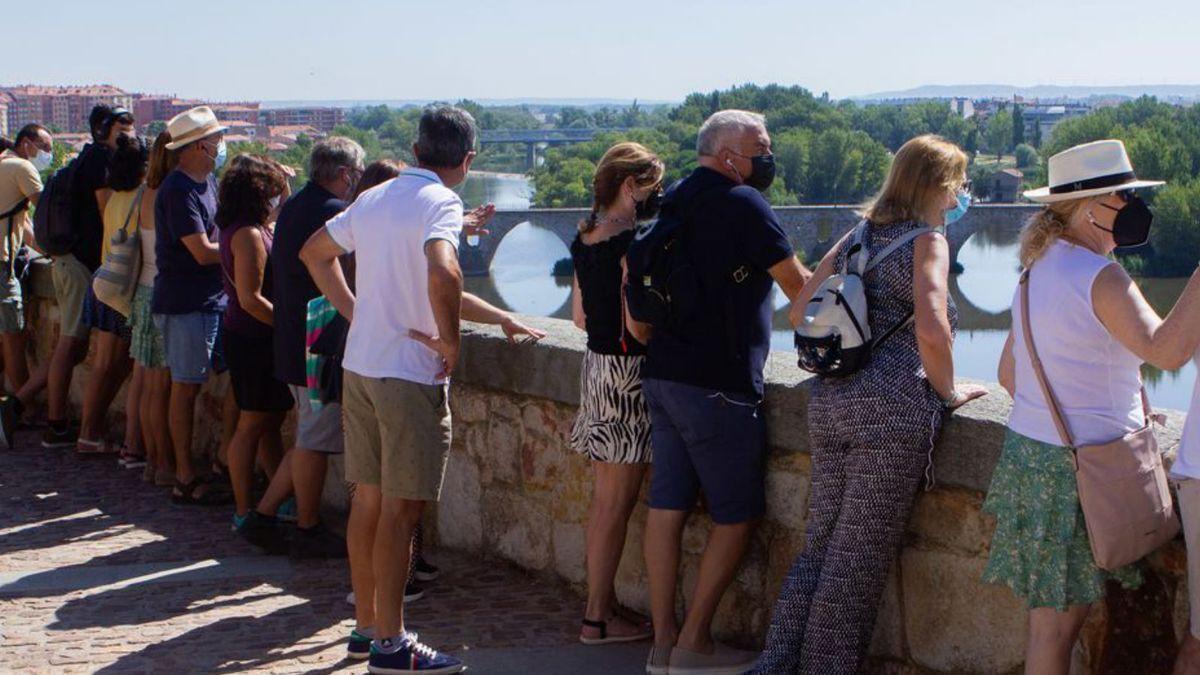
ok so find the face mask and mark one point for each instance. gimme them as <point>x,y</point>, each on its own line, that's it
<point>274,203</point>
<point>762,171</point>
<point>42,160</point>
<point>1132,225</point>
<point>648,207</point>
<point>960,209</point>
<point>219,158</point>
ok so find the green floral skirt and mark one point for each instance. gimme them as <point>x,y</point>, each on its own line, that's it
<point>1040,548</point>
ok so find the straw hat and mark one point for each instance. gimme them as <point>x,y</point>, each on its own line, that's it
<point>192,125</point>
<point>1088,170</point>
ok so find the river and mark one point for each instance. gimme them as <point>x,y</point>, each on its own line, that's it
<point>521,281</point>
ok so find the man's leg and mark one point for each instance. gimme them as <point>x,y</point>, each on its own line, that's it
<point>16,368</point>
<point>360,544</point>
<point>71,281</point>
<point>308,479</point>
<point>664,531</point>
<point>68,352</point>
<point>398,520</point>
<point>719,562</point>
<point>180,420</point>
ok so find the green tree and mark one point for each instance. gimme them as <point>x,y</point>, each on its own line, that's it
<point>1018,126</point>
<point>999,133</point>
<point>1027,155</point>
<point>1175,237</point>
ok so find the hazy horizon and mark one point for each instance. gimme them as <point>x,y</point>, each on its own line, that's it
<point>531,49</point>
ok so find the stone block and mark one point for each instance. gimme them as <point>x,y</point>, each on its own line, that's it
<point>888,641</point>
<point>517,530</point>
<point>459,520</point>
<point>787,499</point>
<point>570,552</point>
<point>502,456</point>
<point>953,621</point>
<point>951,518</point>
<point>468,405</point>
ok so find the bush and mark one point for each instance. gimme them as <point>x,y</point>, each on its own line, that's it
<point>1027,155</point>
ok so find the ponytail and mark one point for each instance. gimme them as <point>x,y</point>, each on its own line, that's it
<point>1046,227</point>
<point>588,224</point>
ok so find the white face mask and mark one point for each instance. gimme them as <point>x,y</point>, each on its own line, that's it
<point>42,160</point>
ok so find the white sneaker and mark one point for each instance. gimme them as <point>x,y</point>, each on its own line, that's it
<point>724,660</point>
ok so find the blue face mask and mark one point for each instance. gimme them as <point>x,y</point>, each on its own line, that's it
<point>222,154</point>
<point>960,210</point>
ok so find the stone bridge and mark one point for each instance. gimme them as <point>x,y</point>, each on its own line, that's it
<point>812,229</point>
<point>535,138</point>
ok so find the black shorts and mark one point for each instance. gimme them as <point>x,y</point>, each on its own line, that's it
<point>250,360</point>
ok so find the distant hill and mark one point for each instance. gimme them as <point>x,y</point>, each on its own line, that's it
<point>534,102</point>
<point>977,91</point>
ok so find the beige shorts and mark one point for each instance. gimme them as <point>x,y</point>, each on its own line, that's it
<point>1188,490</point>
<point>397,435</point>
<point>71,281</point>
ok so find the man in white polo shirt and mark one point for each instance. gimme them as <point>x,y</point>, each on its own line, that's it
<point>401,349</point>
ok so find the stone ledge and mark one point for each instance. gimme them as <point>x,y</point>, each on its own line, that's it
<point>965,455</point>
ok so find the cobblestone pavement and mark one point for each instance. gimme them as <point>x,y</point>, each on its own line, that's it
<point>99,572</point>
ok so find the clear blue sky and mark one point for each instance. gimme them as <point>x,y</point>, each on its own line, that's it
<point>650,49</point>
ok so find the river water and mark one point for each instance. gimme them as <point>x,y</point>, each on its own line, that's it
<point>521,281</point>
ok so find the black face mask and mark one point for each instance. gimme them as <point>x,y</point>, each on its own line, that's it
<point>1132,225</point>
<point>762,172</point>
<point>648,207</point>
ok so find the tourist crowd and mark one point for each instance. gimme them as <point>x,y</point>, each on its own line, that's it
<point>342,301</point>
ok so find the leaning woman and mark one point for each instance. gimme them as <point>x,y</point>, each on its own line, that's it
<point>248,201</point>
<point>613,425</point>
<point>1093,331</point>
<point>872,433</point>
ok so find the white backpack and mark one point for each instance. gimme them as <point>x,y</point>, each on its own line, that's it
<point>834,338</point>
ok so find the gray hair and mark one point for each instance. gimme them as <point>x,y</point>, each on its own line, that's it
<point>723,124</point>
<point>445,135</point>
<point>332,154</point>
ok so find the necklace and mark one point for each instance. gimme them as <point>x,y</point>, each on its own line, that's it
<point>620,220</point>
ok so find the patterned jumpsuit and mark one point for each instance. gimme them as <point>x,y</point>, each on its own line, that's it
<point>872,436</point>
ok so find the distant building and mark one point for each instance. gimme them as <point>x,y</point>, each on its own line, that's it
<point>963,107</point>
<point>149,109</point>
<point>322,119</point>
<point>1004,185</point>
<point>1041,119</point>
<point>60,108</point>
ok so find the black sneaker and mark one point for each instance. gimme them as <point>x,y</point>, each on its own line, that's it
<point>265,532</point>
<point>423,570</point>
<point>316,542</point>
<point>64,437</point>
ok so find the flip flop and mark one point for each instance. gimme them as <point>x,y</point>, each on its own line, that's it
<point>86,448</point>
<point>606,639</point>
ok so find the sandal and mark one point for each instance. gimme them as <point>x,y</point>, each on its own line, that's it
<point>185,493</point>
<point>130,459</point>
<point>605,639</point>
<point>100,448</point>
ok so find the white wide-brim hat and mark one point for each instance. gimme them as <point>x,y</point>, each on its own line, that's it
<point>192,125</point>
<point>1088,170</point>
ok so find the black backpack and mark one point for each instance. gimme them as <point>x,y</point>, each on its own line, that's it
<point>664,288</point>
<point>54,219</point>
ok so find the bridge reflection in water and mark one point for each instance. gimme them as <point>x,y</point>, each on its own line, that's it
<point>520,280</point>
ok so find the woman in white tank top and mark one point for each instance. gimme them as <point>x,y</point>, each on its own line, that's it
<point>1093,330</point>
<point>149,389</point>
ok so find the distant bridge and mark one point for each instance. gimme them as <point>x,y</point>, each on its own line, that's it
<point>535,138</point>
<point>812,230</point>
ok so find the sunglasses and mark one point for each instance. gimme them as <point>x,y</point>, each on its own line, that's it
<point>1125,195</point>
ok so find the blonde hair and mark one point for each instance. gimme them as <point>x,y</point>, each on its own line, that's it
<point>620,162</point>
<point>1047,226</point>
<point>922,170</point>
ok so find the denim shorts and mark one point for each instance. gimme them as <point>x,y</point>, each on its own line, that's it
<point>12,311</point>
<point>189,339</point>
<point>704,439</point>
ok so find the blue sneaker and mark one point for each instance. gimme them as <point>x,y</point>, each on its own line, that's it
<point>410,657</point>
<point>358,647</point>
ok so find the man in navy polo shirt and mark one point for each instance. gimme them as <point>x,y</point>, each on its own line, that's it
<point>704,385</point>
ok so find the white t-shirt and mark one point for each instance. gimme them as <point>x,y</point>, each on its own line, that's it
<point>387,228</point>
<point>1096,380</point>
<point>1187,462</point>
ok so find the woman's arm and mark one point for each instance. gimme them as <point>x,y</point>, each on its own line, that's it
<point>249,266</point>
<point>577,316</point>
<point>146,209</point>
<point>931,319</point>
<point>824,270</point>
<point>1007,372</point>
<point>1120,306</point>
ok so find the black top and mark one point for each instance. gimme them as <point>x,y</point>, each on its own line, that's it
<point>302,215</point>
<point>726,346</point>
<point>598,269</point>
<point>91,174</point>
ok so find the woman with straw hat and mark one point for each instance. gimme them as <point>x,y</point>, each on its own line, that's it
<point>1093,330</point>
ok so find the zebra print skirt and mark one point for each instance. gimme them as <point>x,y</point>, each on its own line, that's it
<point>613,424</point>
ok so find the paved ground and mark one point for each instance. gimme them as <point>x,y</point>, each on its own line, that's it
<point>100,573</point>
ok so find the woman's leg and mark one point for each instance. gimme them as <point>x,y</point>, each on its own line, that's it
<point>1052,636</point>
<point>133,410</point>
<point>251,426</point>
<point>153,416</point>
<point>229,422</point>
<point>111,368</point>
<point>16,367</point>
<point>614,496</point>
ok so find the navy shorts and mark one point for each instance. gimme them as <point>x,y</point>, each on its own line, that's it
<point>704,439</point>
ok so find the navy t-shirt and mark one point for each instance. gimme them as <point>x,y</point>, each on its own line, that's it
<point>91,174</point>
<point>302,215</point>
<point>184,207</point>
<point>726,345</point>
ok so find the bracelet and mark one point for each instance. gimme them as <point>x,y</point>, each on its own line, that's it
<point>954,400</point>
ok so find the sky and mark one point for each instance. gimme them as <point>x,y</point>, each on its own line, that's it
<point>647,49</point>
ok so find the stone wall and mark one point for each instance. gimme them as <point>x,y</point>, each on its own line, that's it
<point>515,490</point>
